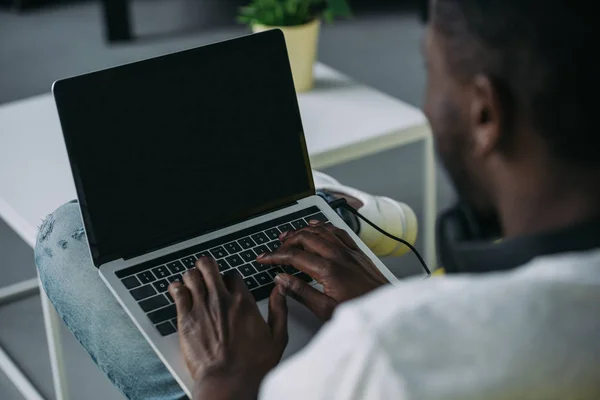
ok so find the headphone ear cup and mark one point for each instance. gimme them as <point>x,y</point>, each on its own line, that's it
<point>457,228</point>
<point>479,227</point>
<point>453,227</point>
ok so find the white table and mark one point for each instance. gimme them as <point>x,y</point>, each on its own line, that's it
<point>343,120</point>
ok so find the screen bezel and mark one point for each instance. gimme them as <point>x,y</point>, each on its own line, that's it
<point>268,38</point>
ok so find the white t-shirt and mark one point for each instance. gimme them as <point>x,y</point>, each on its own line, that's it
<point>531,333</point>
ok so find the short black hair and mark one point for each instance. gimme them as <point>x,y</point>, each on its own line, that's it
<point>540,55</point>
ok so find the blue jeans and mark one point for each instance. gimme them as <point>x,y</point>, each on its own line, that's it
<point>93,315</point>
<point>91,312</point>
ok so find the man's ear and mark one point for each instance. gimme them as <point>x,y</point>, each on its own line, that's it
<point>485,116</point>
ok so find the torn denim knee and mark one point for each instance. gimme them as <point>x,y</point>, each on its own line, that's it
<point>78,234</point>
<point>46,228</point>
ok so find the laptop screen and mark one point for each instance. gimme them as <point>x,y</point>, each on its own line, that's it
<point>172,147</point>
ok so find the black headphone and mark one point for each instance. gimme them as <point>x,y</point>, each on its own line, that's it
<point>462,239</point>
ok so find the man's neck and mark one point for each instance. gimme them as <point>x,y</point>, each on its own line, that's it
<point>548,199</point>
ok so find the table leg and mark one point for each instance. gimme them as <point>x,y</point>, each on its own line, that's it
<point>52,323</point>
<point>7,365</point>
<point>430,198</point>
<point>18,378</point>
<point>117,20</point>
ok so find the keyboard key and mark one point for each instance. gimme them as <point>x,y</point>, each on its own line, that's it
<point>246,243</point>
<point>247,270</point>
<point>189,262</point>
<point>165,328</point>
<point>274,245</point>
<point>248,256</point>
<point>272,233</point>
<point>175,278</point>
<point>261,249</point>
<point>161,286</point>
<point>176,267</point>
<point>218,252</point>
<point>203,254</point>
<point>286,228</point>
<point>169,297</point>
<point>223,266</point>
<point>261,267</point>
<point>262,292</point>
<point>142,292</point>
<point>153,303</point>
<point>275,271</point>
<point>131,282</point>
<point>263,278</point>
<point>163,314</point>
<point>260,238</point>
<point>288,269</point>
<point>304,277</point>
<point>317,217</point>
<point>146,277</point>
<point>161,272</point>
<point>299,224</point>
<point>233,248</point>
<point>235,260</point>
<point>251,283</point>
<point>174,322</point>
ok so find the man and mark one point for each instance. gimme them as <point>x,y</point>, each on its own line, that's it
<point>509,97</point>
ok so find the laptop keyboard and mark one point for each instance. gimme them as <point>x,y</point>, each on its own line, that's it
<point>235,254</point>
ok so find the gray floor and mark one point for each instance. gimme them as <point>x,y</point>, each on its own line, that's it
<point>381,50</point>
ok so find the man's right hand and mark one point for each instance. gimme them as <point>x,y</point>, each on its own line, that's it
<point>330,256</point>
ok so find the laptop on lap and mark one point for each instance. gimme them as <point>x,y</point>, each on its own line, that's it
<point>196,153</point>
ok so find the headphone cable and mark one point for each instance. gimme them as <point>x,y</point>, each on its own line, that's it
<point>342,203</point>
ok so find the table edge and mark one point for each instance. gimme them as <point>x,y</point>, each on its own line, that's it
<point>18,224</point>
<point>370,147</point>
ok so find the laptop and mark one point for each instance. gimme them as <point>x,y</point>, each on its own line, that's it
<point>196,153</point>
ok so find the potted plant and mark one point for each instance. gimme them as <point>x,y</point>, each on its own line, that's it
<point>300,22</point>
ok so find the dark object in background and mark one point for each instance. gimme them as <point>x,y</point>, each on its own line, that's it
<point>424,10</point>
<point>117,20</point>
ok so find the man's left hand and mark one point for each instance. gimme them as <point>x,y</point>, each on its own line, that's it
<point>228,346</point>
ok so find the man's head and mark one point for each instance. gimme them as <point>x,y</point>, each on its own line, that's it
<point>511,83</point>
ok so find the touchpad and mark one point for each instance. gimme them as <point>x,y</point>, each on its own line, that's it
<point>302,325</point>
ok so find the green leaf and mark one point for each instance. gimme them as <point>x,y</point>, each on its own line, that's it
<point>244,19</point>
<point>291,7</point>
<point>286,12</point>
<point>339,8</point>
<point>279,16</point>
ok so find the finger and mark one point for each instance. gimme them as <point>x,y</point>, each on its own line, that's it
<point>311,242</point>
<point>325,234</point>
<point>342,235</point>
<point>210,273</point>
<point>278,313</point>
<point>307,262</point>
<point>235,284</point>
<point>320,304</point>
<point>182,297</point>
<point>195,284</point>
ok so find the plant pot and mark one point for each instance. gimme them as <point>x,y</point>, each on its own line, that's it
<point>301,41</point>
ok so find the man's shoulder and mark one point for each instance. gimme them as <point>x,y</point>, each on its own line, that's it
<point>429,300</point>
<point>497,327</point>
<point>557,276</point>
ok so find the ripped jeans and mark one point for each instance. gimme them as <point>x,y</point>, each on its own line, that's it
<point>93,315</point>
